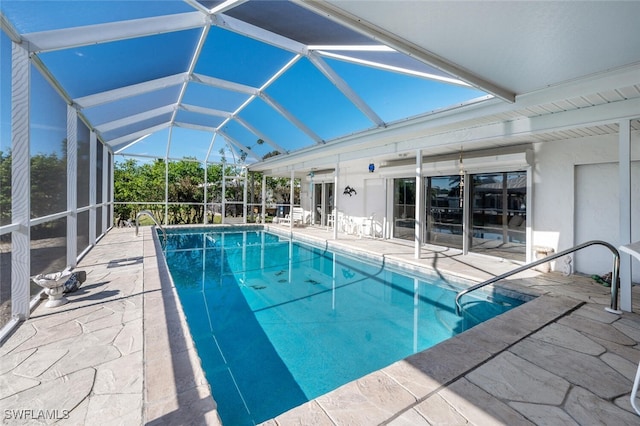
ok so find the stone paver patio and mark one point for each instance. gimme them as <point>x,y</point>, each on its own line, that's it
<point>120,353</point>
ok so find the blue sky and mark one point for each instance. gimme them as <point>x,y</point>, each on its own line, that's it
<point>5,92</point>
<point>302,90</point>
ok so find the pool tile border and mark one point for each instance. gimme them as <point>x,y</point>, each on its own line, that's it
<point>176,390</point>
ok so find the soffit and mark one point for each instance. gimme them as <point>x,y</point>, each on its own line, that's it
<point>521,45</point>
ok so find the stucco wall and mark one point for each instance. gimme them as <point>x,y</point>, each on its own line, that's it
<point>576,197</point>
<point>563,171</point>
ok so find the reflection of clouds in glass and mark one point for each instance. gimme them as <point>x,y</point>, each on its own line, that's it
<point>36,126</point>
<point>47,139</point>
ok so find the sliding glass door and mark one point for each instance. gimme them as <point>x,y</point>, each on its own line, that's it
<point>444,211</point>
<point>404,208</point>
<point>318,213</point>
<point>498,214</point>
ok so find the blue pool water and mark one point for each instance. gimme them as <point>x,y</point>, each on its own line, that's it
<point>277,322</point>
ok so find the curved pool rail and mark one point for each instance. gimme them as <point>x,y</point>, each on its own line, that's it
<point>615,285</point>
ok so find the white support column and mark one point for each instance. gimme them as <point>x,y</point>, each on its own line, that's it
<point>334,210</point>
<point>529,212</point>
<point>93,148</point>
<point>112,191</point>
<point>205,219</point>
<point>224,193</point>
<point>312,207</point>
<point>291,194</point>
<point>244,195</point>
<point>20,182</point>
<point>386,234</point>
<point>264,197</point>
<point>166,178</point>
<point>624,155</point>
<point>419,207</point>
<point>467,226</point>
<point>166,190</point>
<point>72,186</point>
<point>105,186</point>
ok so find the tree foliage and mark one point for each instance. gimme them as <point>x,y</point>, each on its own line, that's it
<point>48,185</point>
<point>5,188</point>
<point>138,182</point>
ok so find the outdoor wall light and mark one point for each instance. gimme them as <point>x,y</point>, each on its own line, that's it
<point>372,168</point>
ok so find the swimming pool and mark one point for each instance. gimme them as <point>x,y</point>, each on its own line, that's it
<point>277,322</point>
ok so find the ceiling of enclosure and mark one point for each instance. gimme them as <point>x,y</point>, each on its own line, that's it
<point>243,80</point>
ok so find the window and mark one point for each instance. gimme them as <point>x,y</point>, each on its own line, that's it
<point>404,208</point>
<point>444,211</point>
<point>498,214</point>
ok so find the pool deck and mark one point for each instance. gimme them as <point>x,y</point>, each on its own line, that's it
<point>120,353</point>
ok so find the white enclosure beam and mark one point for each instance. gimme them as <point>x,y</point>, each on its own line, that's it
<point>260,135</point>
<point>139,134</point>
<point>291,199</point>
<point>198,6</point>
<point>211,145</point>
<point>224,6</point>
<point>9,29</point>
<point>244,199</point>
<point>273,78</point>
<point>132,119</point>
<point>224,193</point>
<point>286,114</point>
<point>387,67</point>
<point>166,176</point>
<point>350,48</point>
<point>20,181</point>
<point>192,67</point>
<point>264,197</point>
<point>205,194</point>
<point>129,91</point>
<point>200,127</point>
<point>113,31</point>
<point>106,163</point>
<point>346,89</point>
<point>129,145</point>
<point>93,149</point>
<point>257,33</point>
<point>205,111</point>
<point>624,166</point>
<point>72,186</point>
<point>224,84</point>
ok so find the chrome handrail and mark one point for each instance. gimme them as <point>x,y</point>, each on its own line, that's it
<point>614,274</point>
<point>153,218</point>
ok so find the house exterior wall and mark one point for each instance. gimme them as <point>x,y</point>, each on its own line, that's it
<point>575,197</point>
